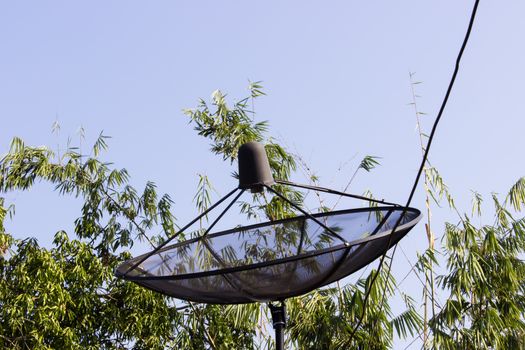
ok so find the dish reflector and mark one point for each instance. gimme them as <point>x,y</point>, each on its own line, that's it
<point>271,261</point>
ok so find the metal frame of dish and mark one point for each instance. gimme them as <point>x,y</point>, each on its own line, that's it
<point>344,245</point>
<point>255,175</point>
<point>278,311</point>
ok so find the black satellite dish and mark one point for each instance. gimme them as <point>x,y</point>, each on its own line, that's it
<point>271,261</point>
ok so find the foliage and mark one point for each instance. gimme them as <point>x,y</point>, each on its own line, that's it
<point>323,329</point>
<point>65,296</point>
<point>325,319</point>
<point>485,278</point>
<point>230,127</point>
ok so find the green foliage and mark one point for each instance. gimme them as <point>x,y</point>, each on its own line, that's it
<point>228,128</point>
<point>438,188</point>
<point>325,319</point>
<point>219,327</point>
<point>485,278</point>
<point>516,196</point>
<point>65,296</point>
<point>369,162</point>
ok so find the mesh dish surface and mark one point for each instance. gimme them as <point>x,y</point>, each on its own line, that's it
<point>273,260</point>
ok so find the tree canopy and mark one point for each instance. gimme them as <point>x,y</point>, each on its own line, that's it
<point>66,296</point>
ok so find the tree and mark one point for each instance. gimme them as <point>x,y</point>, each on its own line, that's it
<point>485,279</point>
<point>484,272</point>
<point>321,319</point>
<point>65,296</point>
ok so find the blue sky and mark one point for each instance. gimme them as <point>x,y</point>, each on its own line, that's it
<point>336,74</point>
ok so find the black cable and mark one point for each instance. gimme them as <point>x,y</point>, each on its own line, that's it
<point>421,167</point>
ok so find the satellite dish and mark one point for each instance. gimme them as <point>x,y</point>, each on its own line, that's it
<point>275,260</point>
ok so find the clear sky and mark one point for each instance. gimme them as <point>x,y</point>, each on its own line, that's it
<point>336,74</point>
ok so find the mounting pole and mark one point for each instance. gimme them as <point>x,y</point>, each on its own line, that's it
<point>279,323</point>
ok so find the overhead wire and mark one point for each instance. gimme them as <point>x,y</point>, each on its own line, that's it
<point>418,176</point>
